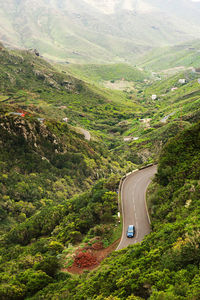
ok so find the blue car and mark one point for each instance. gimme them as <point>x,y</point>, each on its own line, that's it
<point>131,231</point>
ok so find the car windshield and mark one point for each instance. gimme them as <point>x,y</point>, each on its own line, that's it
<point>130,229</point>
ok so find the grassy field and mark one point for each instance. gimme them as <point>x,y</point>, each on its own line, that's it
<point>109,72</point>
<point>186,55</point>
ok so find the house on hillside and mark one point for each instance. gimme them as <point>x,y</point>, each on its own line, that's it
<point>154,97</point>
<point>41,120</point>
<point>65,120</point>
<point>130,138</point>
<point>127,138</point>
<point>182,81</point>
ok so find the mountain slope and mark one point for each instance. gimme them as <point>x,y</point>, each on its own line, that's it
<point>176,107</point>
<point>166,264</point>
<point>181,55</point>
<point>109,72</point>
<point>50,150</point>
<point>34,85</point>
<point>44,168</point>
<point>45,163</point>
<point>80,31</point>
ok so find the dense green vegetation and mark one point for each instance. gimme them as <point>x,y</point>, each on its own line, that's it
<point>29,82</point>
<point>166,264</point>
<point>110,72</point>
<point>31,250</point>
<point>58,190</point>
<point>45,163</point>
<point>176,107</point>
<point>53,192</point>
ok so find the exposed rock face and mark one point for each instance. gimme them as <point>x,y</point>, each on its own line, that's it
<point>33,133</point>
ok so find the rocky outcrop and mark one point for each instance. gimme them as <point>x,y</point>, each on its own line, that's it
<point>33,133</point>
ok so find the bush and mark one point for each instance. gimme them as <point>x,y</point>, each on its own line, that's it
<point>49,265</point>
<point>34,280</point>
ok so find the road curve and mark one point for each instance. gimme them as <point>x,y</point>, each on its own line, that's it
<point>134,210</point>
<point>164,120</point>
<point>86,134</point>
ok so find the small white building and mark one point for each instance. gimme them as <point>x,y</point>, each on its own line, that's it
<point>41,120</point>
<point>154,97</point>
<point>199,80</point>
<point>65,120</point>
<point>127,139</point>
<point>182,81</point>
<point>130,138</point>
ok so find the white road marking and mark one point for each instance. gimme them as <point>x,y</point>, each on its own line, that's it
<point>122,204</point>
<point>123,239</point>
<point>136,219</point>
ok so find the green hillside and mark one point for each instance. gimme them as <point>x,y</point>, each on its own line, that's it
<point>31,83</point>
<point>79,31</point>
<point>55,189</point>
<point>182,55</point>
<point>46,161</point>
<point>110,72</point>
<point>58,191</point>
<point>166,264</point>
<point>176,107</point>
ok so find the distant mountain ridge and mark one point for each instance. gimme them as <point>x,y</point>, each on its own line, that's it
<point>93,31</point>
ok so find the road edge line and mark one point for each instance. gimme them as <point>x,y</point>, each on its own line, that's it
<point>148,216</point>
<point>120,202</point>
<point>147,210</point>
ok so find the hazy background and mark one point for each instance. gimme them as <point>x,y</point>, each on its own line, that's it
<point>98,31</point>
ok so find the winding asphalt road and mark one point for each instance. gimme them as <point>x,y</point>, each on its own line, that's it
<point>164,120</point>
<point>133,197</point>
<point>86,134</point>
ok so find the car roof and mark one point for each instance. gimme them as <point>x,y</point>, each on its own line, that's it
<point>130,226</point>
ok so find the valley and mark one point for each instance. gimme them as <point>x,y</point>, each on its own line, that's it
<point>91,92</point>
<point>66,140</point>
<point>80,31</point>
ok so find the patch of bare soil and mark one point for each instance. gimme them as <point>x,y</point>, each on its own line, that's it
<point>90,257</point>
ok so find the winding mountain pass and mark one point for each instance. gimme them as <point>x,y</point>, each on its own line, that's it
<point>86,134</point>
<point>164,120</point>
<point>134,210</point>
